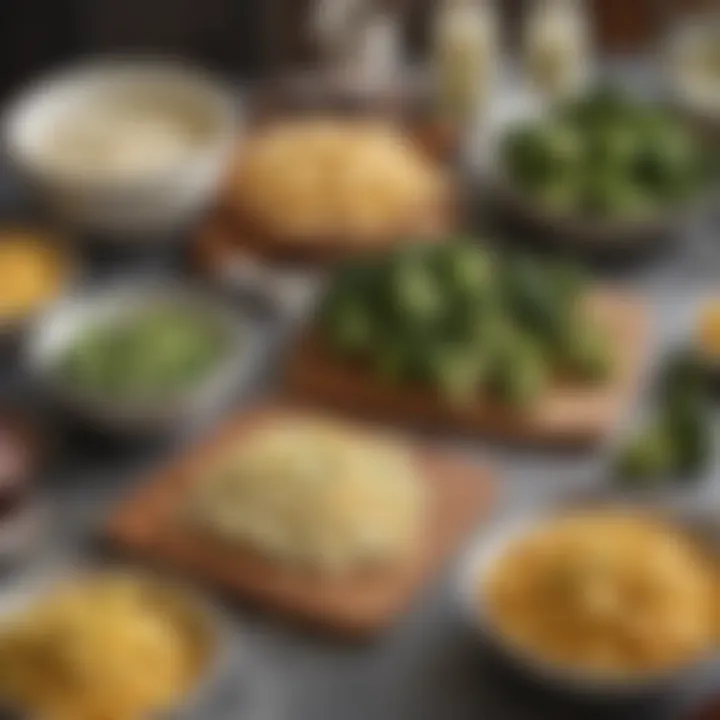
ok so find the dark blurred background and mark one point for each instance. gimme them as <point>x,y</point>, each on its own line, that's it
<point>247,38</point>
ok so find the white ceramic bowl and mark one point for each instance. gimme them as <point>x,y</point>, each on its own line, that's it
<point>67,320</point>
<point>494,541</point>
<point>152,203</point>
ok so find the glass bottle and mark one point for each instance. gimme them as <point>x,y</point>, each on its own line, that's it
<point>465,46</point>
<point>557,46</point>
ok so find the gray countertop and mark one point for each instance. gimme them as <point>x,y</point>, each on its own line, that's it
<point>427,665</point>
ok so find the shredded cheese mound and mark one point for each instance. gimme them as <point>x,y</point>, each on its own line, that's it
<point>312,494</point>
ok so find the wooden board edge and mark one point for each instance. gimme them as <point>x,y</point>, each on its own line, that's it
<point>296,387</point>
<point>351,626</point>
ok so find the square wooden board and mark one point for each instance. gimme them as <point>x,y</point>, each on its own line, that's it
<point>147,525</point>
<point>568,414</point>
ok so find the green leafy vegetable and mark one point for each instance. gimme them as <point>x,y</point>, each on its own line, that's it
<point>454,317</point>
<point>679,444</point>
<point>609,156</point>
<point>144,356</point>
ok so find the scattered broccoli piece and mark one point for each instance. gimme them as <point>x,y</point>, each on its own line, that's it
<point>686,432</point>
<point>684,376</point>
<point>691,427</point>
<point>649,458</point>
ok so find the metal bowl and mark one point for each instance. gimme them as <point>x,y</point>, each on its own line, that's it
<point>70,318</point>
<point>494,542</point>
<point>575,233</point>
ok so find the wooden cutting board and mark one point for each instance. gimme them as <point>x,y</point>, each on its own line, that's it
<point>568,414</point>
<point>147,525</point>
<point>227,236</point>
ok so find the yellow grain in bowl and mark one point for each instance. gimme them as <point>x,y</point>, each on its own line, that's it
<point>708,329</point>
<point>32,271</point>
<point>110,647</point>
<point>604,593</point>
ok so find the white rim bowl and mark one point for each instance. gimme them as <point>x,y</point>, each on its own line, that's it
<point>473,570</point>
<point>141,201</point>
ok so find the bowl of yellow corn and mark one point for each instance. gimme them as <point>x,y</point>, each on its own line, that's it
<point>708,332</point>
<point>34,269</point>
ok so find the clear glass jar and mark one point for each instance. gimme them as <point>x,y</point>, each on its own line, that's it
<point>465,48</point>
<point>558,46</point>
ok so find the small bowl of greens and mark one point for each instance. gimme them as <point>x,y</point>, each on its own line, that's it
<point>140,355</point>
<point>675,447</point>
<point>604,171</point>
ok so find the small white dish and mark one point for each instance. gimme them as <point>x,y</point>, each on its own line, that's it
<point>142,203</point>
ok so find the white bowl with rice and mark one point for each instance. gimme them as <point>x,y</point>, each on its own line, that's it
<point>125,147</point>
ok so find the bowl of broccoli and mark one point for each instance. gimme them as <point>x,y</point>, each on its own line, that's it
<point>605,171</point>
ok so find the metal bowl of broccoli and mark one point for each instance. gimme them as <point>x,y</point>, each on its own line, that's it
<point>603,172</point>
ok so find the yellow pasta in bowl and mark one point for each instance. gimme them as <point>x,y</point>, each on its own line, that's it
<point>113,646</point>
<point>33,271</point>
<point>609,596</point>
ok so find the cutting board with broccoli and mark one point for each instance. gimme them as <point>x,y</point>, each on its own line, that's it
<point>452,336</point>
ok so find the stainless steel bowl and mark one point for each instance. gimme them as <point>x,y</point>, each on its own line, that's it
<point>70,318</point>
<point>576,233</point>
<point>493,541</point>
